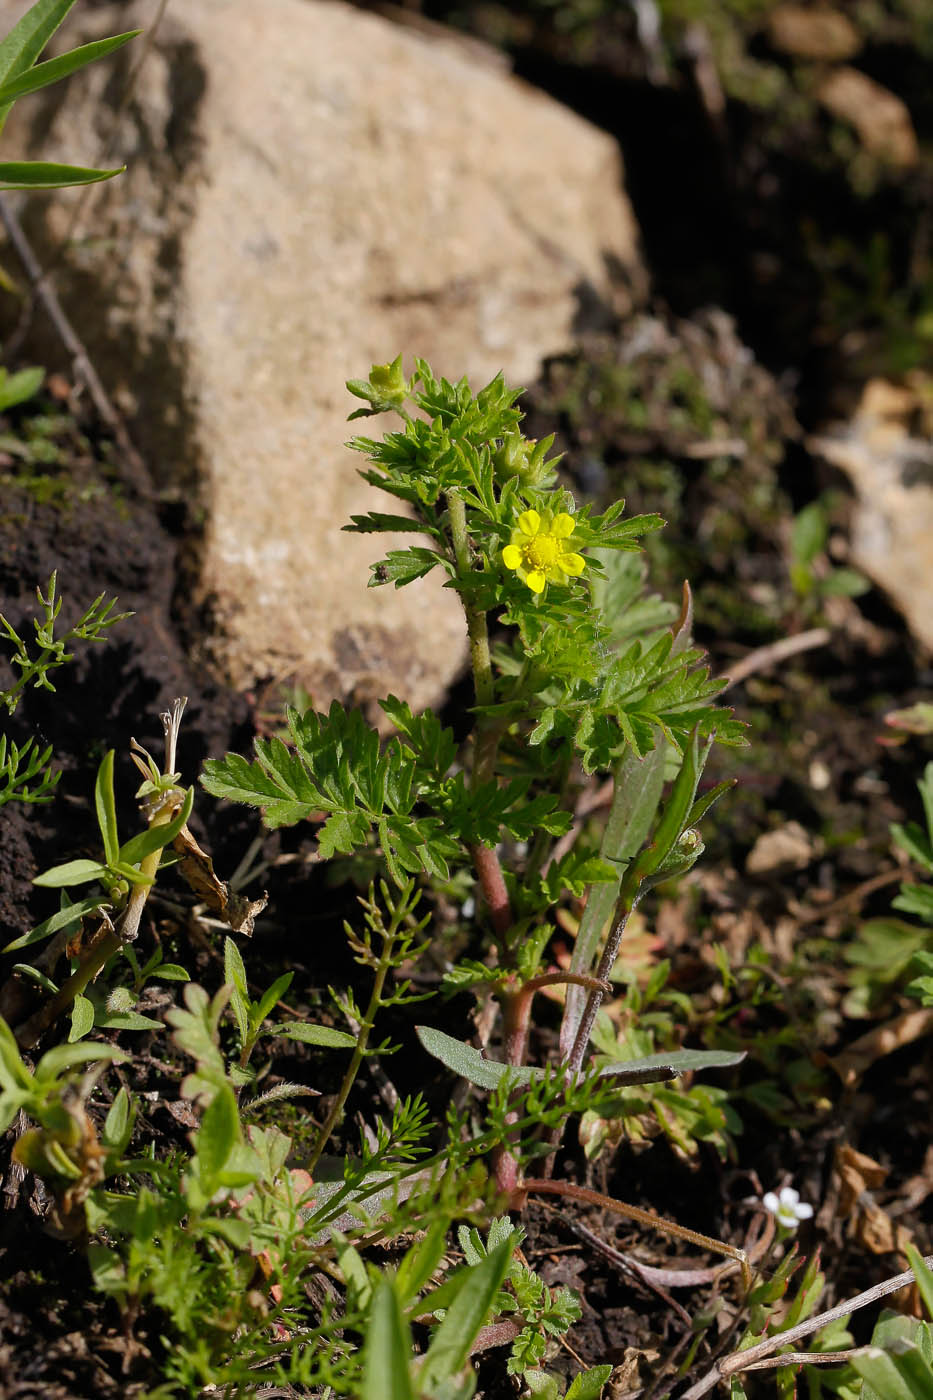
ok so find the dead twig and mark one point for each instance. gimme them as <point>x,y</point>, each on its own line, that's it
<point>762,658</point>
<point>742,1360</point>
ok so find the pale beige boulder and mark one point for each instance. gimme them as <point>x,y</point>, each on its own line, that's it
<point>311,189</point>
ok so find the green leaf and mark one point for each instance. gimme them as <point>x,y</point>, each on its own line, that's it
<point>74,872</point>
<point>55,69</point>
<point>62,1057</point>
<point>126,1021</point>
<point>637,787</point>
<point>468,1062</point>
<point>106,809</point>
<point>69,915</point>
<point>401,566</point>
<point>217,1135</point>
<point>378,523</point>
<point>588,1385</point>
<point>118,1126</point>
<point>235,974</point>
<point>156,838</point>
<point>272,996</point>
<point>26,40</point>
<point>82,1018</point>
<point>923,1276</point>
<point>889,1377</point>
<point>451,1343</point>
<point>342,833</point>
<point>46,175</point>
<point>387,1348</point>
<point>314,1035</point>
<point>17,388</point>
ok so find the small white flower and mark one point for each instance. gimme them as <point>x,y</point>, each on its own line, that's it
<point>787,1208</point>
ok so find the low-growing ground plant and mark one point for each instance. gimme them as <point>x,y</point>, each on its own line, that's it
<point>265,1260</point>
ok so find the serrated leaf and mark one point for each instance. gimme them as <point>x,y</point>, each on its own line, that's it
<point>342,833</point>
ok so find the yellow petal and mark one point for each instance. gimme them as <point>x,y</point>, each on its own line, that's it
<point>536,581</point>
<point>529,522</point>
<point>563,525</point>
<point>512,556</point>
<point>572,563</point>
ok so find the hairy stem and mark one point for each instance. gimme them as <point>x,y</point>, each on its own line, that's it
<point>486,741</point>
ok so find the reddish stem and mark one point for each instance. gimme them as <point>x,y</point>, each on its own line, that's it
<point>492,884</point>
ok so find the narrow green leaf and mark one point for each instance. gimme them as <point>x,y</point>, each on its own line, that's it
<point>64,918</point>
<point>880,1372</point>
<point>272,996</point>
<point>314,1035</point>
<point>126,1021</point>
<point>156,838</point>
<point>387,1348</point>
<point>450,1346</point>
<point>46,175</point>
<point>55,69</point>
<point>73,872</point>
<point>235,974</point>
<point>637,786</point>
<point>26,40</point>
<point>62,1057</point>
<point>106,809</point>
<point>923,1276</point>
<point>468,1062</point>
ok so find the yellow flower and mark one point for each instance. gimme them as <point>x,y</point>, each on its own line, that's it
<point>539,551</point>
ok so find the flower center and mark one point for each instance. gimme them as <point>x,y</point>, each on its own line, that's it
<point>543,551</point>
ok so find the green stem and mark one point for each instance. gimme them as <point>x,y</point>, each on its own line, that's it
<point>101,950</point>
<point>362,1040</point>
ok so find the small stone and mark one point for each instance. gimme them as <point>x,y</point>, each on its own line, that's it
<point>789,847</point>
<point>818,34</point>
<point>881,120</point>
<point>891,469</point>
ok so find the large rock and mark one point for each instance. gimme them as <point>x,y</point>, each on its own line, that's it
<point>311,189</point>
<point>887,452</point>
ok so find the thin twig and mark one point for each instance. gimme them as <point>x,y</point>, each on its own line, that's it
<point>764,657</point>
<point>739,1360</point>
<point>540,1186</point>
